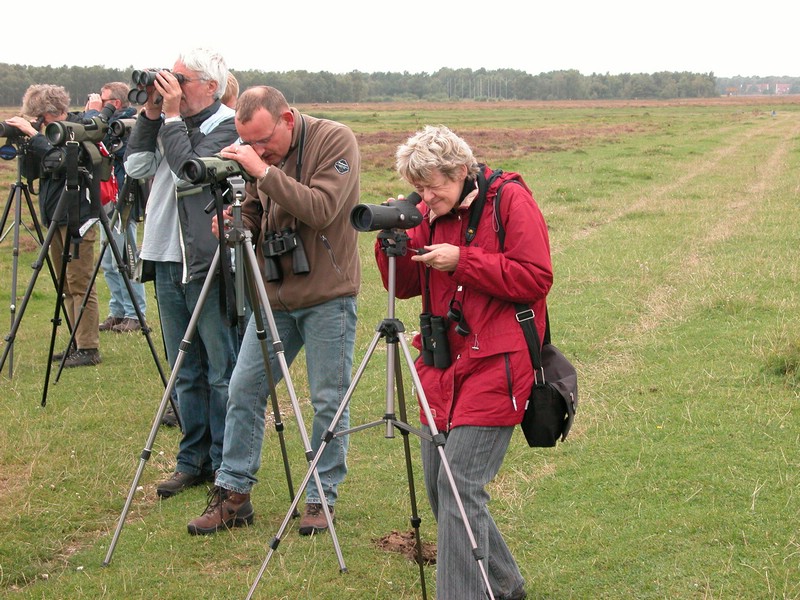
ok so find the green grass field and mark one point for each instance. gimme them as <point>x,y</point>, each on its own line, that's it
<point>677,295</point>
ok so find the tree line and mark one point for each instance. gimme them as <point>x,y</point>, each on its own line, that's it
<point>444,85</point>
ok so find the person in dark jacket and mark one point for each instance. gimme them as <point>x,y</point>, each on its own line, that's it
<point>478,398</point>
<point>48,104</point>
<point>122,316</point>
<point>182,119</point>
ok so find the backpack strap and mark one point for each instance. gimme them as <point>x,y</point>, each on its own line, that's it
<point>477,206</point>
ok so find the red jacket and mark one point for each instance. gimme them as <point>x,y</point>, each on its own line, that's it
<point>490,375</point>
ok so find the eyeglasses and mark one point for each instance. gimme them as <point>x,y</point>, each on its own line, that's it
<point>184,79</point>
<point>264,141</point>
<point>106,100</point>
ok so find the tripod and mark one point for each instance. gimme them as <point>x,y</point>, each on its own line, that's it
<point>128,197</point>
<point>391,329</point>
<point>18,190</point>
<point>246,270</point>
<point>68,205</point>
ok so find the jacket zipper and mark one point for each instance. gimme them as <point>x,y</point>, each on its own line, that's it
<point>508,379</point>
<point>331,253</point>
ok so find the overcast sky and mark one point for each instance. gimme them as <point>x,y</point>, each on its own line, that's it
<point>339,36</point>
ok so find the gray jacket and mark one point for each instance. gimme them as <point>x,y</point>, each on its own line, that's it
<point>177,228</point>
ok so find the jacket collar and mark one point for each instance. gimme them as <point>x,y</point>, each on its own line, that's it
<point>468,194</point>
<point>197,120</point>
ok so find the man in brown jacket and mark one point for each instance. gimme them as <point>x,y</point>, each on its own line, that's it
<point>306,173</point>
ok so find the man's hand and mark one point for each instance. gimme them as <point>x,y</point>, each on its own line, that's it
<point>247,157</point>
<point>169,88</point>
<point>93,102</point>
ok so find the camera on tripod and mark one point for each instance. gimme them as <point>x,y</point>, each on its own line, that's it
<point>118,132</point>
<point>16,146</point>
<point>121,128</point>
<point>276,244</point>
<point>144,78</point>
<point>12,133</point>
<point>207,169</point>
<point>89,134</point>
<point>92,129</point>
<point>400,214</point>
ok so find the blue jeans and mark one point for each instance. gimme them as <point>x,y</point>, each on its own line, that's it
<point>474,455</point>
<point>328,332</point>
<point>120,304</point>
<point>209,358</point>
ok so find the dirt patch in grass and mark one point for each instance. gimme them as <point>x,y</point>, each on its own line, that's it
<point>405,544</point>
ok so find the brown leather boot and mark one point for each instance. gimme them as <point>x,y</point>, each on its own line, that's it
<point>225,509</point>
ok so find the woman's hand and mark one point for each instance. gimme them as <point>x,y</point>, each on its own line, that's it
<point>443,257</point>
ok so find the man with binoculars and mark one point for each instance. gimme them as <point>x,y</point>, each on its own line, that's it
<point>304,175</point>
<point>183,118</point>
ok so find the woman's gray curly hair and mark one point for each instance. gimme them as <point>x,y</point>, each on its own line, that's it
<point>43,98</point>
<point>434,148</point>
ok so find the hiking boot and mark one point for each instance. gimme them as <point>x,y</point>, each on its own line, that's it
<point>313,519</point>
<point>225,509</point>
<point>127,325</point>
<point>84,357</point>
<point>109,323</point>
<point>178,482</point>
<point>59,355</point>
<point>169,418</point>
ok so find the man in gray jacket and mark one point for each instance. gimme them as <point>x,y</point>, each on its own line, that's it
<point>182,119</point>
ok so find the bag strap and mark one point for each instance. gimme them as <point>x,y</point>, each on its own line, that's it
<point>525,315</point>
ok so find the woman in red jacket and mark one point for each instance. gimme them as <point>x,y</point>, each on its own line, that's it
<point>477,382</point>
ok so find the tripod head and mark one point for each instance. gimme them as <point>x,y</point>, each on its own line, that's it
<point>16,146</point>
<point>394,242</point>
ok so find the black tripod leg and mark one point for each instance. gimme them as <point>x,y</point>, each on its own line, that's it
<point>276,540</point>
<point>186,342</point>
<point>86,295</point>
<point>254,277</point>
<point>37,267</point>
<point>66,257</point>
<point>276,411</point>
<point>438,440</point>
<point>110,242</point>
<point>14,196</point>
<point>6,210</point>
<point>415,519</point>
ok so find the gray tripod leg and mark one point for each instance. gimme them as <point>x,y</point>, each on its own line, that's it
<point>391,327</point>
<point>186,342</point>
<point>258,282</point>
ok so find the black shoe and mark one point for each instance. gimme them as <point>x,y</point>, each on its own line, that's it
<point>169,418</point>
<point>85,357</point>
<point>177,483</point>
<point>517,594</point>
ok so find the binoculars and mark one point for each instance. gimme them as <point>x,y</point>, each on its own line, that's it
<point>435,347</point>
<point>276,244</point>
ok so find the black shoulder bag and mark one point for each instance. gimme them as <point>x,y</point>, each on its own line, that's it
<point>551,407</point>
